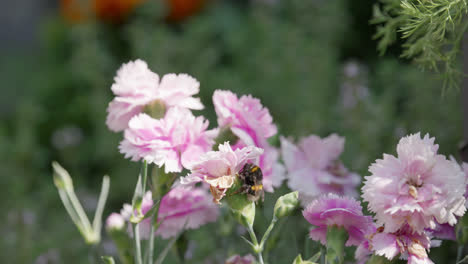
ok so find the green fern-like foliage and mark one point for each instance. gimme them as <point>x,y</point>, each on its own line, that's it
<point>431,31</point>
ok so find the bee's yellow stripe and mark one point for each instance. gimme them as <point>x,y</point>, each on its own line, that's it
<point>257,187</point>
<point>254,169</point>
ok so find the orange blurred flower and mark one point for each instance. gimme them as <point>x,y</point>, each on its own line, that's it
<point>114,10</point>
<point>75,10</point>
<point>180,9</point>
<point>117,10</point>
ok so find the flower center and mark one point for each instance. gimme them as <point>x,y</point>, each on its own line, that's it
<point>156,109</point>
<point>414,183</point>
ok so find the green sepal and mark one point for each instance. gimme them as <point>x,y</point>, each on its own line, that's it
<point>137,201</point>
<point>225,135</point>
<point>336,238</point>
<point>156,109</point>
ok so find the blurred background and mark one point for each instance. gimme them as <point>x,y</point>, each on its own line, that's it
<point>313,63</point>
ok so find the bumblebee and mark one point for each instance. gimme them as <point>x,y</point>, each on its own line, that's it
<point>251,176</point>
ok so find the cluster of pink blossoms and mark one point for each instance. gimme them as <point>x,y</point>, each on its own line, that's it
<point>413,196</point>
<point>416,196</point>
<point>160,128</point>
<point>314,168</point>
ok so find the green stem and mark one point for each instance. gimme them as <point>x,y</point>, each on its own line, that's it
<point>169,245</point>
<point>145,174</point>
<point>257,248</point>
<point>459,253</point>
<point>136,235</point>
<point>151,244</point>
<point>267,233</point>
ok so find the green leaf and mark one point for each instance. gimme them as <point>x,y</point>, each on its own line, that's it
<point>107,260</point>
<point>286,204</point>
<point>298,260</point>
<point>336,238</point>
<point>315,257</point>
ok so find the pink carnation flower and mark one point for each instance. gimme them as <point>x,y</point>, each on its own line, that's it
<point>219,168</point>
<point>252,124</point>
<point>175,141</point>
<point>136,86</point>
<point>410,245</point>
<point>333,210</point>
<point>236,259</point>
<point>185,208</point>
<point>180,209</point>
<point>314,169</point>
<point>418,188</point>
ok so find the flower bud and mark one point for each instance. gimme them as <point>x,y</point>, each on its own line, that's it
<point>115,222</point>
<point>286,204</point>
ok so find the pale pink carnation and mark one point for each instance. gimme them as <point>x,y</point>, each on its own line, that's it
<point>176,141</point>
<point>406,243</point>
<point>246,116</point>
<point>418,188</point>
<point>314,168</point>
<point>184,207</point>
<point>136,86</point>
<point>332,210</point>
<point>236,259</point>
<point>253,125</point>
<point>219,168</point>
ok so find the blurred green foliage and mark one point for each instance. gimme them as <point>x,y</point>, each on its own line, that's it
<point>312,63</point>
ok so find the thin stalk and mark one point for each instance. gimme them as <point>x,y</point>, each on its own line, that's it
<point>145,174</point>
<point>257,248</point>
<point>267,232</point>
<point>459,253</point>
<point>151,244</point>
<point>136,235</point>
<point>79,210</point>
<point>168,247</point>
<point>72,212</point>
